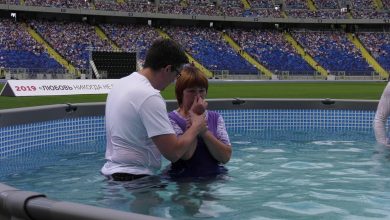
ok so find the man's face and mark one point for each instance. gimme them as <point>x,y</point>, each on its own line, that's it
<point>174,74</point>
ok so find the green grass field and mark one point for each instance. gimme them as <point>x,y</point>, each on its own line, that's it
<point>334,90</point>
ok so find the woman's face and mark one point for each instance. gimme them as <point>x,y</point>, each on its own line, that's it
<point>189,95</point>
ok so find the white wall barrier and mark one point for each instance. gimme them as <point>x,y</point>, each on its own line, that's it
<point>56,87</point>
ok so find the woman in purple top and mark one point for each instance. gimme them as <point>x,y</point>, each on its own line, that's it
<point>213,146</point>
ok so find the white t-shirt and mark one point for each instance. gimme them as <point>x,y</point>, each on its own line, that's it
<point>381,115</point>
<point>135,112</point>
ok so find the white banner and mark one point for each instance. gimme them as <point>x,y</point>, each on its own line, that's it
<point>57,87</point>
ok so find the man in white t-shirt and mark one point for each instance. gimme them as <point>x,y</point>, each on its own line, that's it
<point>137,124</point>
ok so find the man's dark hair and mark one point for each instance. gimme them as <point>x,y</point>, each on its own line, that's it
<point>165,52</point>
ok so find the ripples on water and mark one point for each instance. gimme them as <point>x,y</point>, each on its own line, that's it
<point>272,175</point>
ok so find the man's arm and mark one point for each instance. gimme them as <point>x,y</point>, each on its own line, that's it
<point>174,148</point>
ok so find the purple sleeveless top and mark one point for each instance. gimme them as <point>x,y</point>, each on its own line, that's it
<point>202,163</point>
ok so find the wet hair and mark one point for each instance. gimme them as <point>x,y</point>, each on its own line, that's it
<point>190,77</point>
<point>165,52</point>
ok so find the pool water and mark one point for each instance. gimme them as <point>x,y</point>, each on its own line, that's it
<point>311,174</point>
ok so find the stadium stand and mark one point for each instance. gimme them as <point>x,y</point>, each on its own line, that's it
<point>327,4</point>
<point>334,52</point>
<point>233,8</point>
<point>272,50</point>
<point>366,9</point>
<point>262,3</point>
<point>110,5</point>
<point>386,4</point>
<point>378,44</point>
<point>74,39</point>
<point>296,4</point>
<point>322,14</point>
<point>206,45</point>
<point>19,50</point>
<point>131,37</point>
<point>58,3</point>
<point>12,2</point>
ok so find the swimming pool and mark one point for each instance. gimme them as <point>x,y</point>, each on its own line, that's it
<point>291,160</point>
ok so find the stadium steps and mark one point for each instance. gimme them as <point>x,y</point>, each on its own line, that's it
<point>104,37</point>
<point>246,4</point>
<point>305,55</point>
<point>53,53</point>
<point>370,60</point>
<point>246,56</point>
<point>190,58</point>
<point>378,4</point>
<point>311,5</point>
